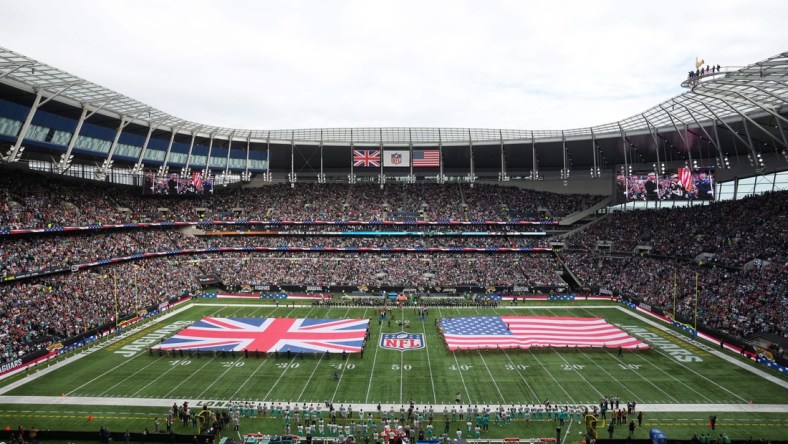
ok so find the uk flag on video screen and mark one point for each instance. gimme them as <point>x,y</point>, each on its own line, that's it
<point>270,335</point>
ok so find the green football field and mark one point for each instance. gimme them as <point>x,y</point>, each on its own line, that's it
<point>677,384</point>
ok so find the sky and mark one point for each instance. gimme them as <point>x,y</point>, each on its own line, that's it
<point>531,65</point>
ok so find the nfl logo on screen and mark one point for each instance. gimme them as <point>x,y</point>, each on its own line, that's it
<point>396,158</point>
<point>402,341</point>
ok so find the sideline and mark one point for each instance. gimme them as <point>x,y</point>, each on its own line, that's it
<point>746,366</point>
<point>166,403</point>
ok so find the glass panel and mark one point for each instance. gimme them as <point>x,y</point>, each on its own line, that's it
<point>218,162</point>
<point>91,144</point>
<point>198,161</point>
<point>61,138</point>
<point>257,164</point>
<point>177,158</point>
<point>763,188</point>
<point>158,155</point>
<point>128,150</point>
<point>35,132</point>
<point>746,186</point>
<point>9,127</point>
<point>781,181</point>
<point>725,196</point>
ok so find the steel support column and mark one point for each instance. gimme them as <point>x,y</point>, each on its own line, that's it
<point>472,177</point>
<point>441,179</point>
<point>16,149</point>
<point>534,160</point>
<point>166,161</point>
<point>185,170</point>
<point>207,169</point>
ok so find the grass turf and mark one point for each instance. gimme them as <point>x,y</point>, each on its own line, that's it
<point>432,375</point>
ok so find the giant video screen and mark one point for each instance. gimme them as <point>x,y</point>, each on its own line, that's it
<point>682,184</point>
<point>176,185</point>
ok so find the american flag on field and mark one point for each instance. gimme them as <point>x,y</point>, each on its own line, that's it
<point>533,331</point>
<point>366,158</point>
<point>685,178</point>
<point>270,335</point>
<point>426,158</point>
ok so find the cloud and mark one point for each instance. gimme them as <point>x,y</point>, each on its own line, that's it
<point>301,64</point>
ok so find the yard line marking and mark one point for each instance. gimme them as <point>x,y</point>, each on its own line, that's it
<point>215,380</point>
<point>457,363</point>
<point>164,373</point>
<point>519,373</point>
<point>115,368</point>
<point>560,355</point>
<point>654,324</point>
<point>307,381</point>
<point>550,374</point>
<point>284,370</point>
<point>250,376</point>
<point>291,361</point>
<point>401,373</point>
<point>658,368</point>
<point>344,365</point>
<point>321,355</point>
<point>184,380</point>
<point>492,378</point>
<point>612,378</point>
<point>401,358</point>
<point>429,363</point>
<point>374,360</point>
<point>674,378</point>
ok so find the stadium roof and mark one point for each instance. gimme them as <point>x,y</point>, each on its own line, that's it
<point>730,94</point>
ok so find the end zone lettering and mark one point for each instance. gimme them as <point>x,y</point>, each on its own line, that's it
<point>149,339</point>
<point>678,353</point>
<point>10,365</point>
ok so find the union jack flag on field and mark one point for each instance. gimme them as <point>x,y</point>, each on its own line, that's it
<point>270,335</point>
<point>366,158</point>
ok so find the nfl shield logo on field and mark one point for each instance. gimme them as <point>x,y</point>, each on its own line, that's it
<point>396,158</point>
<point>402,341</point>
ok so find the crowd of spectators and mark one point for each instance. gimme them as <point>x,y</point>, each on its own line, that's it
<point>736,301</point>
<point>36,201</point>
<point>37,253</point>
<point>389,269</point>
<point>736,232</point>
<point>36,313</point>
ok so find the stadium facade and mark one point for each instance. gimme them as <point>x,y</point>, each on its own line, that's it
<point>731,118</point>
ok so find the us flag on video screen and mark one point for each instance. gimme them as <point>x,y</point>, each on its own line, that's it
<point>271,334</point>
<point>685,178</point>
<point>534,331</point>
